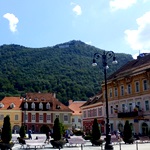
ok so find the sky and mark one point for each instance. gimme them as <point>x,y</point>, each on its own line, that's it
<point>122,26</point>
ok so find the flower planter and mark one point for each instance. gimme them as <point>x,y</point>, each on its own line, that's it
<point>97,142</point>
<point>58,144</point>
<point>4,146</point>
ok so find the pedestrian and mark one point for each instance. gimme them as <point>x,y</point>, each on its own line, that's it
<point>29,134</point>
<point>47,136</point>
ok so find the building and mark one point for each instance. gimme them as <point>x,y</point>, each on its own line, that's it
<point>41,109</point>
<point>129,95</point>
<point>92,109</point>
<point>76,115</point>
<point>11,106</point>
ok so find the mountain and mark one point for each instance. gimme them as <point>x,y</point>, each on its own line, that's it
<point>64,69</point>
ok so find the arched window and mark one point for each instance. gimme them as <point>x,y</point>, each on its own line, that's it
<point>1,105</point>
<point>33,105</point>
<point>26,105</point>
<point>40,106</point>
<point>12,105</point>
<point>48,106</point>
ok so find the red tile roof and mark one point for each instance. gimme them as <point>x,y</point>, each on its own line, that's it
<point>7,101</point>
<point>75,106</point>
<point>46,97</point>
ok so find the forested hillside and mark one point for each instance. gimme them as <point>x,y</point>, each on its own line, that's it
<point>64,69</point>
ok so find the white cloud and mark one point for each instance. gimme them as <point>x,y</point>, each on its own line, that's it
<point>121,4</point>
<point>139,39</point>
<point>13,21</point>
<point>77,10</point>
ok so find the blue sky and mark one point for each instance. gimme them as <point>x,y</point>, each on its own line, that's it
<point>122,26</point>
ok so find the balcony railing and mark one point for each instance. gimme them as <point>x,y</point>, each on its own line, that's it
<point>128,114</point>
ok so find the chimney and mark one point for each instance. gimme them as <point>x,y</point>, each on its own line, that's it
<point>54,94</point>
<point>70,102</point>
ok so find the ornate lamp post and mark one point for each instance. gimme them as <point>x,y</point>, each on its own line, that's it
<point>106,56</point>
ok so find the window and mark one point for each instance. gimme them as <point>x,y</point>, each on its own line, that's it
<point>65,117</point>
<point>129,88</point>
<point>41,117</point>
<point>116,92</point>
<point>110,92</point>
<point>147,105</point>
<point>138,104</point>
<point>16,117</point>
<point>111,109</point>
<point>26,105</point>
<point>40,106</point>
<point>130,107</point>
<point>57,116</point>
<point>33,117</point>
<point>123,107</point>
<point>145,85</point>
<point>1,117</point>
<point>100,111</point>
<point>79,120</point>
<point>73,120</point>
<point>137,88</point>
<point>88,113</point>
<point>48,106</point>
<point>84,114</point>
<point>122,90</point>
<point>33,105</point>
<point>94,112</point>
<point>48,117</point>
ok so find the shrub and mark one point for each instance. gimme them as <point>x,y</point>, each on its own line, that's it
<point>22,132</point>
<point>6,130</point>
<point>56,130</point>
<point>96,133</point>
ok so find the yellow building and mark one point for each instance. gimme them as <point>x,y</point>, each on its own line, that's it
<point>11,106</point>
<point>129,95</point>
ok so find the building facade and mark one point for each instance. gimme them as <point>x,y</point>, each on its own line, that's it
<point>76,115</point>
<point>11,106</point>
<point>129,95</point>
<point>92,109</point>
<point>39,110</point>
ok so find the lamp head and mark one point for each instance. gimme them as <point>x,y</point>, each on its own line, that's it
<point>114,60</point>
<point>94,63</point>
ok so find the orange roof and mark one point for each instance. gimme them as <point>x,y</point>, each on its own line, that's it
<point>75,106</point>
<point>7,102</point>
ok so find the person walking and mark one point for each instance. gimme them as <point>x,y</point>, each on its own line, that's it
<point>29,134</point>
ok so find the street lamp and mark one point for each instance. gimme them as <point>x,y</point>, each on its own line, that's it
<point>106,56</point>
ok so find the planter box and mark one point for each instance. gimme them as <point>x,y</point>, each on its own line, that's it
<point>4,146</point>
<point>97,142</point>
<point>58,144</point>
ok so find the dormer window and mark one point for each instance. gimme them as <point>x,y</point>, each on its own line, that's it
<point>26,105</point>
<point>43,99</point>
<point>58,107</point>
<point>36,99</point>
<point>12,105</point>
<point>1,105</point>
<point>33,105</point>
<point>48,106</point>
<point>40,106</point>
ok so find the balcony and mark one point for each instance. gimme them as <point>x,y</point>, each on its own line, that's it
<point>128,114</point>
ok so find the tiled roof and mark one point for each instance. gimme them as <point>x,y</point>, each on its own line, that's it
<point>75,106</point>
<point>130,67</point>
<point>7,102</point>
<point>45,98</point>
<point>95,99</point>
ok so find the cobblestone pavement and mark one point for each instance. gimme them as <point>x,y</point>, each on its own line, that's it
<point>88,145</point>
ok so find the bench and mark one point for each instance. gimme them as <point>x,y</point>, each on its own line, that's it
<point>76,141</point>
<point>34,143</point>
<point>144,139</point>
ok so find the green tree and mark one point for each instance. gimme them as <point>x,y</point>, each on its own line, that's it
<point>127,133</point>
<point>6,130</point>
<point>57,130</point>
<point>96,133</point>
<point>22,132</point>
